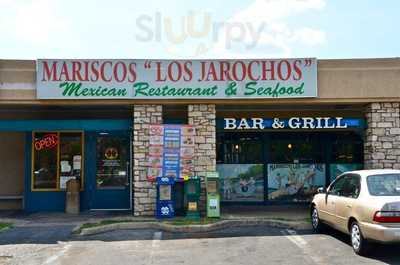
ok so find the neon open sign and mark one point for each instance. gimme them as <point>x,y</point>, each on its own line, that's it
<point>48,141</point>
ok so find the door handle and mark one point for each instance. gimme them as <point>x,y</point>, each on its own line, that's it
<point>348,206</point>
<point>128,174</point>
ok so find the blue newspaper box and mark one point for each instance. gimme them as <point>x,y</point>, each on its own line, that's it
<point>165,202</point>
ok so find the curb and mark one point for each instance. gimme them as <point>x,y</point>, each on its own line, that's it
<point>299,225</point>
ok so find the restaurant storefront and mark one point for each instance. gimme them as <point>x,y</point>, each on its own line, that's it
<point>284,166</point>
<point>274,130</point>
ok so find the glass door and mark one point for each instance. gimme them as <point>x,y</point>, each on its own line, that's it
<point>111,183</point>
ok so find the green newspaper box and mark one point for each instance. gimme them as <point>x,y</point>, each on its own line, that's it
<point>213,197</point>
<point>192,196</point>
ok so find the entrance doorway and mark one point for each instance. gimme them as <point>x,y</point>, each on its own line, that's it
<point>110,179</point>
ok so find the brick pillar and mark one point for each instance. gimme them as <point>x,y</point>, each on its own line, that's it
<point>144,192</point>
<point>382,141</point>
<point>202,116</point>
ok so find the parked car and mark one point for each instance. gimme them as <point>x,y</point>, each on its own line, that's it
<point>364,204</point>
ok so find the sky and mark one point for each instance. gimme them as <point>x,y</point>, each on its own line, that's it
<point>212,29</point>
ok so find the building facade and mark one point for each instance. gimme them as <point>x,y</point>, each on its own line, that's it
<point>267,149</point>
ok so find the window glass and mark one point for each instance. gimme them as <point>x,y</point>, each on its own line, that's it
<point>70,157</point>
<point>57,158</point>
<point>351,187</point>
<point>338,185</point>
<point>165,192</point>
<point>45,148</point>
<point>338,169</point>
<point>240,149</point>
<point>212,186</point>
<point>384,185</point>
<point>241,182</point>
<point>347,148</point>
<point>296,148</point>
<point>295,182</point>
<point>112,162</point>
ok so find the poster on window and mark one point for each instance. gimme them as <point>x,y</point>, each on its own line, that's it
<point>294,182</point>
<point>241,182</point>
<point>338,169</point>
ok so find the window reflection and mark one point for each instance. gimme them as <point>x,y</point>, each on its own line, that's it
<point>112,162</point>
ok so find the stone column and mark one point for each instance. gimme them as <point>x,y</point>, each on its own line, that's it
<point>382,140</point>
<point>202,116</point>
<point>144,192</point>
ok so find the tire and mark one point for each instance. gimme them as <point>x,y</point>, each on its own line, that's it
<point>358,242</point>
<point>316,223</point>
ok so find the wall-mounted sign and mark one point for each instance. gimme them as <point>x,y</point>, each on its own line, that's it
<point>171,151</point>
<point>48,141</point>
<point>176,79</point>
<point>292,123</point>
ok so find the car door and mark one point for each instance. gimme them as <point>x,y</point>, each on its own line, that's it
<point>329,212</point>
<point>345,202</point>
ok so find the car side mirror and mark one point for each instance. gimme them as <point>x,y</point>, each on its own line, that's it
<point>321,190</point>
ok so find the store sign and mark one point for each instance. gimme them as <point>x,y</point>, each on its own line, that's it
<point>176,79</point>
<point>292,123</point>
<point>48,141</point>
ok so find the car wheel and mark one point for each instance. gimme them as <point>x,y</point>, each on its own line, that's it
<point>358,242</point>
<point>315,221</point>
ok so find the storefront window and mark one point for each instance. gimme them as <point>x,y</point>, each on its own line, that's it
<point>240,149</point>
<point>296,163</point>
<point>57,157</point>
<point>347,148</point>
<point>294,182</point>
<point>346,155</point>
<point>45,150</point>
<point>70,157</point>
<point>241,182</point>
<point>296,148</point>
<point>338,169</point>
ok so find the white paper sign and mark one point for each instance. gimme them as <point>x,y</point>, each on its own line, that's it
<point>77,162</point>
<point>65,167</point>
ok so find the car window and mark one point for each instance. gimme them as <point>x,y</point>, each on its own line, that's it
<point>351,187</point>
<point>347,186</point>
<point>384,185</point>
<point>337,186</point>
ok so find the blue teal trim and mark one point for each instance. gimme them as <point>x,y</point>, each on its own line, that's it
<point>55,200</point>
<point>39,200</point>
<point>89,125</point>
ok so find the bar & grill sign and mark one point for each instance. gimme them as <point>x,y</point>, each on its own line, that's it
<point>176,79</point>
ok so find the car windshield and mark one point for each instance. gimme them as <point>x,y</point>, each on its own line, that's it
<point>384,185</point>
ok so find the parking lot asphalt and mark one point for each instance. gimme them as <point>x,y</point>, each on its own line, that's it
<point>241,245</point>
